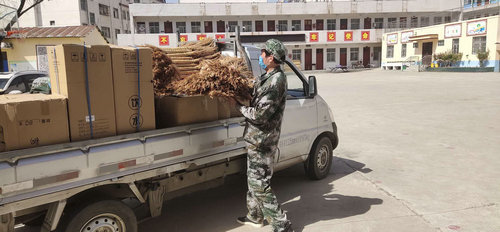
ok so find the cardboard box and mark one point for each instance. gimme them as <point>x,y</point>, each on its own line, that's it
<point>126,84</point>
<point>30,120</point>
<point>224,108</point>
<point>175,111</point>
<point>67,77</point>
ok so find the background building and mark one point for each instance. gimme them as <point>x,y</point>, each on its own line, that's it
<point>112,17</point>
<point>29,50</point>
<point>465,37</point>
<point>319,34</point>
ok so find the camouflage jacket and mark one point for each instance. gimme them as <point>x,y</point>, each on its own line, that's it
<point>266,109</point>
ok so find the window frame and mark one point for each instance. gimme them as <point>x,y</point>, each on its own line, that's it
<point>103,9</point>
<point>354,53</point>
<point>154,29</point>
<point>331,54</point>
<point>403,50</point>
<point>195,28</point>
<point>391,53</point>
<point>331,23</point>
<point>478,46</point>
<point>358,24</point>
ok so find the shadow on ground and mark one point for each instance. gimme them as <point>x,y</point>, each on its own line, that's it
<point>305,201</point>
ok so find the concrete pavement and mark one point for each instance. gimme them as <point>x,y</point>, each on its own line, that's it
<point>418,152</point>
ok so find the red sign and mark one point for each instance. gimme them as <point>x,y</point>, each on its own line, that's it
<point>313,37</point>
<point>331,36</point>
<point>200,37</point>
<point>183,38</point>
<point>365,35</point>
<point>348,36</point>
<point>220,36</point>
<point>163,40</point>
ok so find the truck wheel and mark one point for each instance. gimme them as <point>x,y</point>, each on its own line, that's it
<point>101,216</point>
<point>317,166</point>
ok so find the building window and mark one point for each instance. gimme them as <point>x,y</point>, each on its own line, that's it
<point>390,52</point>
<point>455,46</point>
<point>403,22</point>
<point>415,45</point>
<point>414,22</point>
<point>137,1</point>
<point>440,42</point>
<point>447,19</point>
<point>376,53</point>
<point>308,24</point>
<point>438,20</point>
<point>83,5</point>
<point>103,10</point>
<point>106,32</point>
<point>424,21</point>
<point>343,24</point>
<point>195,27</point>
<point>247,26</point>
<point>330,55</point>
<point>128,15</point>
<point>392,23</point>
<point>379,23</point>
<point>115,13</point>
<point>354,24</point>
<point>259,25</point>
<point>478,44</point>
<point>117,31</point>
<point>124,15</point>
<point>141,27</point>
<point>181,27</point>
<point>232,25</point>
<point>296,53</point>
<point>331,24</point>
<point>403,50</point>
<point>282,25</point>
<point>92,18</point>
<point>354,54</point>
<point>154,27</point>
<point>296,25</point>
<point>52,22</point>
<point>208,25</point>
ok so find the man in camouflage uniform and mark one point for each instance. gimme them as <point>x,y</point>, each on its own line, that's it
<point>262,133</point>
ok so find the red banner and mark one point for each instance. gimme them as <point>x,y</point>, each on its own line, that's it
<point>365,35</point>
<point>348,36</point>
<point>183,38</point>
<point>220,36</point>
<point>163,40</point>
<point>313,37</point>
<point>331,36</point>
<point>200,37</point>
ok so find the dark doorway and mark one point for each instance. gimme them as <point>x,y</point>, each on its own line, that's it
<point>368,23</point>
<point>271,25</point>
<point>319,24</point>
<point>343,56</point>
<point>168,27</point>
<point>5,63</point>
<point>319,59</point>
<point>366,56</point>
<point>427,53</point>
<point>209,27</point>
<point>343,24</point>
<point>221,26</point>
<point>308,64</point>
<point>427,49</point>
<point>259,26</point>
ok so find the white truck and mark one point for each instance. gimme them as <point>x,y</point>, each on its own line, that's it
<point>81,186</point>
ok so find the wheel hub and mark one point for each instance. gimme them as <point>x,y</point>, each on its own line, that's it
<point>104,223</point>
<point>322,158</point>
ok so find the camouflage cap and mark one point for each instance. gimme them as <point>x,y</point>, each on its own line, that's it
<point>276,48</point>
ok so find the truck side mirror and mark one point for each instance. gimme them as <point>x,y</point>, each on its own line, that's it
<point>313,91</point>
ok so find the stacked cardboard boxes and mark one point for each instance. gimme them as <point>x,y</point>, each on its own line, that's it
<point>176,111</point>
<point>30,120</point>
<point>84,76</point>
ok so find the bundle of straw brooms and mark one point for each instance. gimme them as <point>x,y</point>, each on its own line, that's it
<point>197,68</point>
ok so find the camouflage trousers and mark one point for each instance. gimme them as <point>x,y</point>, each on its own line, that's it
<point>261,201</point>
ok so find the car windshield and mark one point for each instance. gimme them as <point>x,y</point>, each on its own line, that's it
<point>3,82</point>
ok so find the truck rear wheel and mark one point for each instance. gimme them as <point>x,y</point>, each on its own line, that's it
<point>101,216</point>
<point>317,166</point>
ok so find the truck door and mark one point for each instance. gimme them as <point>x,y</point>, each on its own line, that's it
<point>299,125</point>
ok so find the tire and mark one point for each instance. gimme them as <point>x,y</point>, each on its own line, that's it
<point>319,162</point>
<point>106,215</point>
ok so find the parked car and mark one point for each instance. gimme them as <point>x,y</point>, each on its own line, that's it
<point>18,82</point>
